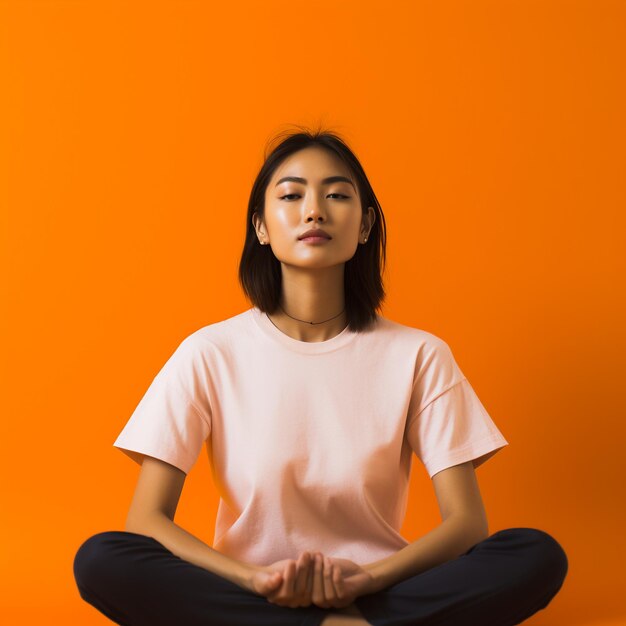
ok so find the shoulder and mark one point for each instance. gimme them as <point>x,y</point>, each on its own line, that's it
<point>435,367</point>
<point>426,344</point>
<point>198,351</point>
<point>216,334</point>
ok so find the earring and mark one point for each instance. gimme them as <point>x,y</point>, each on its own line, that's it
<point>365,239</point>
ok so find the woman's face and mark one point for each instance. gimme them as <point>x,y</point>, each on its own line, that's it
<point>293,207</point>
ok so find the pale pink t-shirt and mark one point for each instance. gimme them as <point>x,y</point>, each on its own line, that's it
<point>310,443</point>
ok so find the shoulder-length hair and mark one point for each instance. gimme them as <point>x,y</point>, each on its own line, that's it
<point>260,272</point>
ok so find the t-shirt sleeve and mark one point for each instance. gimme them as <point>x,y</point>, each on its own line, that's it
<point>173,419</point>
<point>447,423</point>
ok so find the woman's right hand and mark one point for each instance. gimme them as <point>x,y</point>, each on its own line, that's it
<point>286,582</point>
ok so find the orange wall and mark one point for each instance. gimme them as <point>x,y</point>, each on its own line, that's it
<point>493,134</point>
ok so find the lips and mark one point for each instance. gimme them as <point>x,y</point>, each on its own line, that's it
<point>315,232</point>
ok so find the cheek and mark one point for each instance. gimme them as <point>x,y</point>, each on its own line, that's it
<point>287,226</point>
<point>284,228</point>
<point>350,224</point>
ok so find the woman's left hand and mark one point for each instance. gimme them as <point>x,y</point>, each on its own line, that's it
<point>350,581</point>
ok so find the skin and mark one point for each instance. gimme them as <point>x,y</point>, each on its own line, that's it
<point>312,274</point>
<point>313,290</point>
<point>313,578</point>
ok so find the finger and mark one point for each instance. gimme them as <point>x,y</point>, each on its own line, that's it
<point>302,575</point>
<point>270,588</point>
<point>286,589</point>
<point>273,581</point>
<point>318,581</point>
<point>308,588</point>
<point>335,578</point>
<point>338,582</point>
<point>301,583</point>
<point>281,591</point>
<point>329,588</point>
<point>276,583</point>
<point>311,580</point>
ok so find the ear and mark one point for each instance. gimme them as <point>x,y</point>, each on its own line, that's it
<point>258,223</point>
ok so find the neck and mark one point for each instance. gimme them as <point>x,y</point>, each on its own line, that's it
<point>312,297</point>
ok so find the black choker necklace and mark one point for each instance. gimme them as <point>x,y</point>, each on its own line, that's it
<point>314,323</point>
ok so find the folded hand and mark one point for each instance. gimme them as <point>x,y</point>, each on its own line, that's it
<point>327,582</point>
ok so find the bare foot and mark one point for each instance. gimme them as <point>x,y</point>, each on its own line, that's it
<point>351,609</point>
<point>345,617</point>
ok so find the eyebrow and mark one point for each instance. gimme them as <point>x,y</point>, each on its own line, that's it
<point>325,181</point>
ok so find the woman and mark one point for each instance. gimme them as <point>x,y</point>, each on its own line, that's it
<point>311,405</point>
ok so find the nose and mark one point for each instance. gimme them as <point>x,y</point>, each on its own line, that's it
<point>314,209</point>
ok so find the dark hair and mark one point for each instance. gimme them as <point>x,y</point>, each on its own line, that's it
<point>260,271</point>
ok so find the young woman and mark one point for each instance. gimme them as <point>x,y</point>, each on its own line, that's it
<point>311,405</point>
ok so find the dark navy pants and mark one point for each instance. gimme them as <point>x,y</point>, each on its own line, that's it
<point>136,581</point>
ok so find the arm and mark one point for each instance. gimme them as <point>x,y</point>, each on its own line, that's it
<point>152,513</point>
<point>464,524</point>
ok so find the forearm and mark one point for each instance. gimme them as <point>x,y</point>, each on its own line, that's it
<point>450,539</point>
<point>188,547</point>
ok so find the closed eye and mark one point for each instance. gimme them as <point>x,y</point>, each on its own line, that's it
<point>330,194</point>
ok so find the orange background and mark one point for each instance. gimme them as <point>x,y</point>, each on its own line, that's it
<point>493,134</point>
